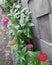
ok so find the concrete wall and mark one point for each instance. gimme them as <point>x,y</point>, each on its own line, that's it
<point>41,13</point>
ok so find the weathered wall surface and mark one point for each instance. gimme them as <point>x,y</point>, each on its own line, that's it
<point>42,19</point>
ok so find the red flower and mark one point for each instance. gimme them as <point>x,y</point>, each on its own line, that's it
<point>42,57</point>
<point>29,45</point>
<point>5,21</point>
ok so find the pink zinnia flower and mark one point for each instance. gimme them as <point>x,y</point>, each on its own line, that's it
<point>29,45</point>
<point>5,21</point>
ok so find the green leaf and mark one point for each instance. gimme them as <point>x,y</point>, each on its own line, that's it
<point>24,50</point>
<point>31,53</point>
<point>31,24</point>
<point>17,26</point>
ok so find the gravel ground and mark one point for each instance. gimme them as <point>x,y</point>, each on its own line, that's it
<point>5,55</point>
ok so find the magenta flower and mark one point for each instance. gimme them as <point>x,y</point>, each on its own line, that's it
<point>29,45</point>
<point>5,21</point>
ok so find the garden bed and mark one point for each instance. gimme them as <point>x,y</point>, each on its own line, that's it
<point>19,36</point>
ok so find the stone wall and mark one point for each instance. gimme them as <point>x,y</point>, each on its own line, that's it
<point>41,13</point>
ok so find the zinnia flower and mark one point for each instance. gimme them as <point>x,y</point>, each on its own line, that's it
<point>12,42</point>
<point>29,45</point>
<point>42,57</point>
<point>5,21</point>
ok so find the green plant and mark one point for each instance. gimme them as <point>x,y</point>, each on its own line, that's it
<point>19,36</point>
<point>7,5</point>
